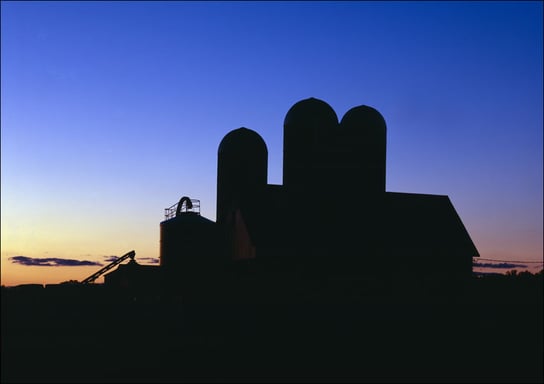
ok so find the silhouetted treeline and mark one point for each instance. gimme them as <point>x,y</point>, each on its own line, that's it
<point>511,283</point>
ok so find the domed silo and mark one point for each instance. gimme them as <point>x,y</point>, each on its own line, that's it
<point>308,129</point>
<point>242,169</point>
<point>189,244</point>
<point>363,134</point>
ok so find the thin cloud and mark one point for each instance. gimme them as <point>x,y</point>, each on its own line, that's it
<point>51,262</point>
<point>149,260</point>
<point>499,265</point>
<point>110,259</point>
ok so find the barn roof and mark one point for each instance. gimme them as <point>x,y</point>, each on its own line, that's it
<point>425,221</point>
<point>399,221</point>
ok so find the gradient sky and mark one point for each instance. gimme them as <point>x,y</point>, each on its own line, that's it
<point>111,111</point>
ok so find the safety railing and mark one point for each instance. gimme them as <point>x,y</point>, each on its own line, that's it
<point>184,205</point>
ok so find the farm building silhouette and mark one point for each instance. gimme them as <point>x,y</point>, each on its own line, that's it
<point>327,276</point>
<point>331,223</point>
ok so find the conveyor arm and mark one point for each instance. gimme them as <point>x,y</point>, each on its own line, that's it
<point>96,275</point>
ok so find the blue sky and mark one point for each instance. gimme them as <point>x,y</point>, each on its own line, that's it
<point>111,111</point>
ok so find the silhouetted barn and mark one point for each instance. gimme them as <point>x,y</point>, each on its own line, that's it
<point>332,217</point>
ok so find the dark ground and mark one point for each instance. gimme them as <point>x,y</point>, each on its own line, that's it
<point>491,334</point>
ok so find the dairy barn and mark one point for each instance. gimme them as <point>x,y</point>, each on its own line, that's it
<point>331,228</point>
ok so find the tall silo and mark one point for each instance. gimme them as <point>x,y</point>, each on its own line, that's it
<point>242,169</point>
<point>308,129</point>
<point>363,134</point>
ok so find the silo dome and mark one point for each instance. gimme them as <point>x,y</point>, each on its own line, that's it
<point>242,168</point>
<point>364,121</point>
<point>308,128</point>
<point>310,112</point>
<point>363,132</point>
<point>242,140</point>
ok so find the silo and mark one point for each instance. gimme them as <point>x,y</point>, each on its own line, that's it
<point>308,129</point>
<point>242,169</point>
<point>363,134</point>
<point>189,246</point>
